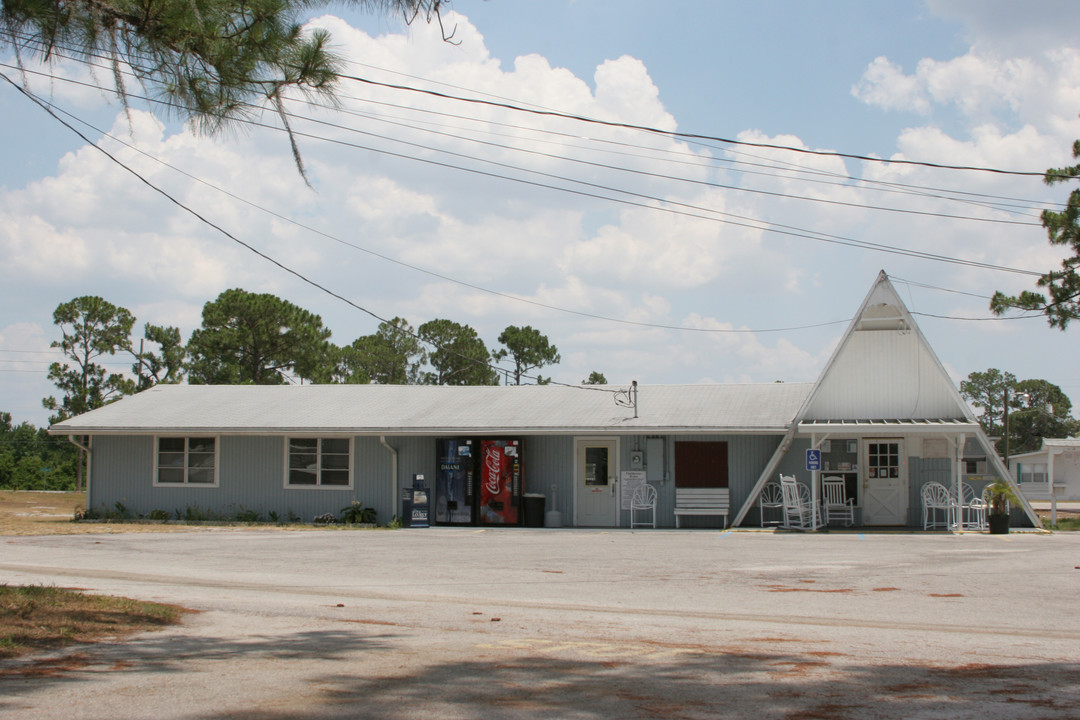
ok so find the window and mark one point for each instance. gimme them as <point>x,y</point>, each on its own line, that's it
<point>319,462</point>
<point>701,464</point>
<point>1033,472</point>
<point>186,461</point>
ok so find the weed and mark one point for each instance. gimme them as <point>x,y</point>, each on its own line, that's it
<point>248,516</point>
<point>357,513</point>
<point>158,515</point>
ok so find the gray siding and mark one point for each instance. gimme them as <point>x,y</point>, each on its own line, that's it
<point>549,471</point>
<point>747,457</point>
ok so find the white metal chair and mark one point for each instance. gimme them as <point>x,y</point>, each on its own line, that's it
<point>643,499</point>
<point>972,509</point>
<point>837,503</point>
<point>936,498</point>
<point>798,510</point>
<point>771,498</point>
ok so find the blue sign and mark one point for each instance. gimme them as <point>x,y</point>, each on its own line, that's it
<point>813,459</point>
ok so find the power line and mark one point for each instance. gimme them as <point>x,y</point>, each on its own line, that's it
<point>661,176</point>
<point>606,166</point>
<point>688,136</point>
<point>858,243</point>
<point>45,106</point>
<point>692,210</point>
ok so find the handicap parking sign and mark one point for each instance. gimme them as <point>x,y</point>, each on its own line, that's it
<point>813,459</point>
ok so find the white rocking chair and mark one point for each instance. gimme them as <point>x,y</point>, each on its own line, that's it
<point>798,510</point>
<point>643,500</point>
<point>837,503</point>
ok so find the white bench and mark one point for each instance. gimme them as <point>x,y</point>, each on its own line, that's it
<point>701,501</point>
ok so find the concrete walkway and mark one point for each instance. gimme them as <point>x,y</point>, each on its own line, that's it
<point>467,623</point>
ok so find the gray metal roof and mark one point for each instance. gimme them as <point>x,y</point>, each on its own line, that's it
<point>419,409</point>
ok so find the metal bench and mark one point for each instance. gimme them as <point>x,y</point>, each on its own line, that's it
<point>702,501</point>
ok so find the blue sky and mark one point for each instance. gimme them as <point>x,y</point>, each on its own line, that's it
<point>969,82</point>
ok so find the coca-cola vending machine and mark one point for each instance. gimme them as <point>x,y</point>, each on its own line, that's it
<point>500,470</point>
<point>455,500</point>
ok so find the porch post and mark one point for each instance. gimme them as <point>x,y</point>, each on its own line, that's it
<point>1050,484</point>
<point>815,478</point>
<point>958,496</point>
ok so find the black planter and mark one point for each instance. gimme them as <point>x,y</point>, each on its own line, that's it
<point>999,524</point>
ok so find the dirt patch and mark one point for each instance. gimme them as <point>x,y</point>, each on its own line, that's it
<point>34,618</point>
<point>51,513</point>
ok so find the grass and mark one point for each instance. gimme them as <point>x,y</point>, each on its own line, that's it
<point>35,618</point>
<point>1064,523</point>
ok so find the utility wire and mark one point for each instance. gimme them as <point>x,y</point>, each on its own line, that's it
<point>692,211</point>
<point>45,106</point>
<point>798,168</point>
<point>683,135</point>
<point>431,273</point>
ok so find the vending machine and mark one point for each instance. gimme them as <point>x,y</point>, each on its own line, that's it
<point>500,480</point>
<point>455,496</point>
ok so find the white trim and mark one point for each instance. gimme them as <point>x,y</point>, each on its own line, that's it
<point>318,453</point>
<point>186,439</point>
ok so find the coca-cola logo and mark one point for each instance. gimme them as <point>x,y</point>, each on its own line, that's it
<point>493,464</point>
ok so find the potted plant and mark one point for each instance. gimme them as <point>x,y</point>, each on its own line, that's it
<point>998,496</point>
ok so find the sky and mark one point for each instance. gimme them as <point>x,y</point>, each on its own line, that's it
<point>641,253</point>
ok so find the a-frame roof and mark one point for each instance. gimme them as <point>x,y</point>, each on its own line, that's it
<point>884,371</point>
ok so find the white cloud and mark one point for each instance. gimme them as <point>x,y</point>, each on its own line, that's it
<point>885,85</point>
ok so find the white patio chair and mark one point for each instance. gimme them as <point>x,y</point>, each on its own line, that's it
<point>837,503</point>
<point>643,500</point>
<point>936,499</point>
<point>798,511</point>
<point>771,498</point>
<point>972,509</point>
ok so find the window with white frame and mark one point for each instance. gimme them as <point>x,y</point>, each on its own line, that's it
<point>1033,472</point>
<point>319,462</point>
<point>186,461</point>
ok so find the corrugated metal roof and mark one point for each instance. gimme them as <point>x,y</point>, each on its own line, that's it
<point>419,409</point>
<point>886,425</point>
<point>1061,443</point>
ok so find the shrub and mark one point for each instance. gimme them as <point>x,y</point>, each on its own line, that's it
<point>326,519</point>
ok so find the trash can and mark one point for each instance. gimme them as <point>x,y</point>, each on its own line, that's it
<point>534,509</point>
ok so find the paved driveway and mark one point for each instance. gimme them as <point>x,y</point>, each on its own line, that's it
<point>463,623</point>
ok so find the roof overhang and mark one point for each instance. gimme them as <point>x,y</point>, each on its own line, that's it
<point>888,427</point>
<point>421,431</point>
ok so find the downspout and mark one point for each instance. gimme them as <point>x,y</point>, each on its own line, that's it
<point>89,465</point>
<point>393,472</point>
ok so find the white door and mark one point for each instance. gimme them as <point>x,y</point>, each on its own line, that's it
<point>595,480</point>
<point>885,482</point>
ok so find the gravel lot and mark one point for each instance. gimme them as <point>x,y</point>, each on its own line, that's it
<point>518,623</point>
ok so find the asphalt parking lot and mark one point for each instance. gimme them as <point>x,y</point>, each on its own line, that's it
<point>518,623</point>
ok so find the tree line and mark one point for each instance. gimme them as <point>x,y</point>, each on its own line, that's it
<point>261,339</point>
<point>246,338</point>
<point>1019,413</point>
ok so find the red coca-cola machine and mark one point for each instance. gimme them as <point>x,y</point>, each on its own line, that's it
<point>500,472</point>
